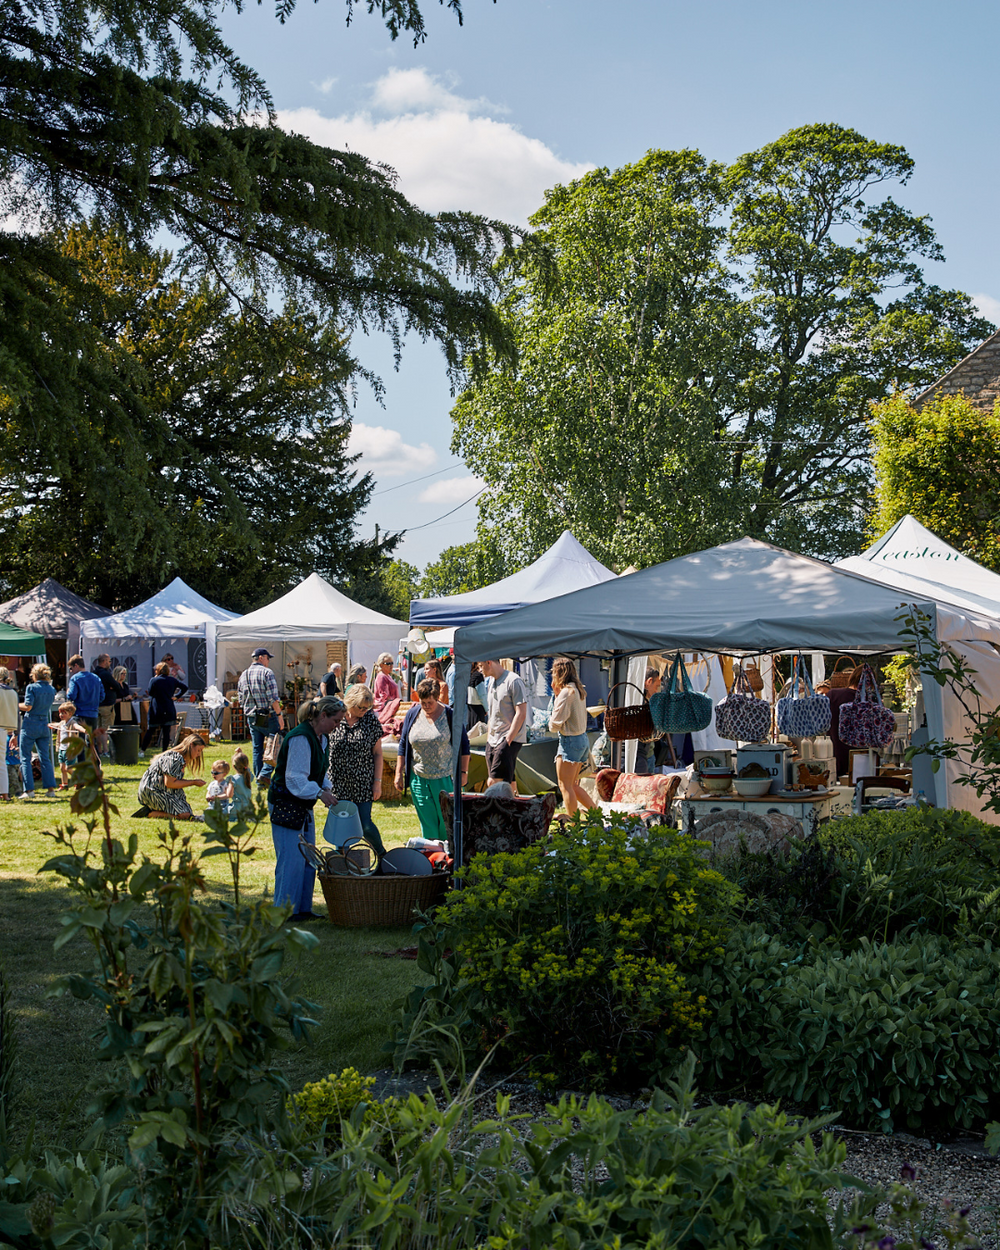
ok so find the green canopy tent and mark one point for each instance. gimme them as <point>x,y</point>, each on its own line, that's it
<point>14,641</point>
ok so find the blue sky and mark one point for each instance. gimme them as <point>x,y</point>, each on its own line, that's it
<point>528,93</point>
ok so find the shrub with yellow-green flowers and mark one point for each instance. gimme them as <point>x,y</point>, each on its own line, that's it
<point>322,1107</point>
<point>583,948</point>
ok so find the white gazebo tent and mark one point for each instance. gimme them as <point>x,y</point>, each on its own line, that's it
<point>566,566</point>
<point>174,617</point>
<point>913,560</point>
<point>742,598</point>
<point>297,627</point>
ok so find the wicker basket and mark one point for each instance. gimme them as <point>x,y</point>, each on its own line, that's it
<point>388,902</point>
<point>624,723</point>
<point>752,673</point>
<point>837,681</point>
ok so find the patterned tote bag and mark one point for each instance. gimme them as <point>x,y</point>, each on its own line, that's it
<point>680,709</point>
<point>740,716</point>
<point>867,722</point>
<point>803,716</point>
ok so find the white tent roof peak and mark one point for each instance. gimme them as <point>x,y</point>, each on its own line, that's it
<point>176,611</point>
<point>912,557</point>
<point>566,566</point>
<point>312,609</point>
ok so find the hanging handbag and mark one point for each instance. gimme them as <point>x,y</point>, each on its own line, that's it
<point>272,745</point>
<point>740,716</point>
<point>867,722</point>
<point>624,723</point>
<point>680,709</point>
<point>805,716</point>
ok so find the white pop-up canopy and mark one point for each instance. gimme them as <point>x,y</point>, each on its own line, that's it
<point>294,626</point>
<point>565,567</point>
<point>745,597</point>
<point>914,559</point>
<point>174,616</point>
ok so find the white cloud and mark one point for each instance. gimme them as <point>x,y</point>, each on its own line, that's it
<point>448,154</point>
<point>384,453</point>
<point>987,306</point>
<point>326,86</point>
<point>451,490</point>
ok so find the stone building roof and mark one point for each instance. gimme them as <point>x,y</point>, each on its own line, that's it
<point>978,376</point>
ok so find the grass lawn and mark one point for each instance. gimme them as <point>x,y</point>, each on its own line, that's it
<point>345,974</point>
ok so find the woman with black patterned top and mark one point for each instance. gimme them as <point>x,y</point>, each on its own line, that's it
<point>356,759</point>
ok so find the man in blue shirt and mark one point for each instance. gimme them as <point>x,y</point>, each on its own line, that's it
<point>85,690</point>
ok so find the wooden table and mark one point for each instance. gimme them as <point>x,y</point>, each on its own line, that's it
<point>808,807</point>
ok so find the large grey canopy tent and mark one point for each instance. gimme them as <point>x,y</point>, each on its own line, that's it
<point>742,598</point>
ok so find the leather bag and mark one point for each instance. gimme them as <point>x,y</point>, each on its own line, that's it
<point>740,716</point>
<point>867,722</point>
<point>680,709</point>
<point>807,715</point>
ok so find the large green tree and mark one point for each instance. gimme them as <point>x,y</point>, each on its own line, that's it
<point>698,361</point>
<point>942,464</point>
<point>215,447</point>
<point>140,115</point>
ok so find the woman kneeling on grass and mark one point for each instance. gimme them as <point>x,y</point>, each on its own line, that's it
<point>162,787</point>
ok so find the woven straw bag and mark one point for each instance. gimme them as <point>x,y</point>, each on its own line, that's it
<point>625,723</point>
<point>837,680</point>
<point>753,676</point>
<point>740,716</point>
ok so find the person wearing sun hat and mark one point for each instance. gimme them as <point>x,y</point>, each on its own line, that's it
<point>261,703</point>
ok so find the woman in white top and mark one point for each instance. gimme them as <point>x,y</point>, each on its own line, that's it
<point>569,720</point>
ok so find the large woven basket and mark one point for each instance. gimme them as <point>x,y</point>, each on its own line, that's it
<point>625,723</point>
<point>387,902</point>
<point>837,680</point>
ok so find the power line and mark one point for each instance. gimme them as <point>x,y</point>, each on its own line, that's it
<point>413,529</point>
<point>413,480</point>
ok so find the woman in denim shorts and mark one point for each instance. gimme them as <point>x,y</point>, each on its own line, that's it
<point>569,720</point>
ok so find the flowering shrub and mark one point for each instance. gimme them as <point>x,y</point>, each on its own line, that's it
<point>581,948</point>
<point>321,1107</point>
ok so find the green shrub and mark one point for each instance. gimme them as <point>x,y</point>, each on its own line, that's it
<point>581,949</point>
<point>879,876</point>
<point>321,1107</point>
<point>892,1034</point>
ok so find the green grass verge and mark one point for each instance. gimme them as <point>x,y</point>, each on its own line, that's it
<point>346,974</point>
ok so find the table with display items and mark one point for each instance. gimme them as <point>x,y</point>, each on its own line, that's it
<point>811,807</point>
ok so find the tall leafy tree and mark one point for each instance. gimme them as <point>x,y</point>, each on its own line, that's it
<point>942,464</point>
<point>214,447</point>
<point>608,425</point>
<point>141,115</point>
<point>702,360</point>
<point>462,568</point>
<point>838,315</point>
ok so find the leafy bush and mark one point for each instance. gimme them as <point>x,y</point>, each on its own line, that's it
<point>581,949</point>
<point>895,1034</point>
<point>320,1107</point>
<point>879,876</point>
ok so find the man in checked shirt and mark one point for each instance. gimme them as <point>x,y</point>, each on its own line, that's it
<point>258,693</point>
